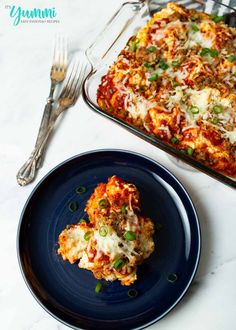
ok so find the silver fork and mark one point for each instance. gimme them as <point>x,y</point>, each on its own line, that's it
<point>67,98</point>
<point>57,75</point>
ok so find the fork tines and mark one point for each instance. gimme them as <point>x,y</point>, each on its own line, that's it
<point>73,84</point>
<point>60,54</point>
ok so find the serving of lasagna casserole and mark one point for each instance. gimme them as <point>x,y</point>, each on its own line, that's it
<point>118,237</point>
<point>176,81</point>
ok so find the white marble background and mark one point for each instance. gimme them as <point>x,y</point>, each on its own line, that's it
<point>25,59</point>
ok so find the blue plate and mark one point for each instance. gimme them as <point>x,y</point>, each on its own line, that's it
<point>66,291</point>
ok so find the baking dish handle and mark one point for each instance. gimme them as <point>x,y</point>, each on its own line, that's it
<point>112,31</point>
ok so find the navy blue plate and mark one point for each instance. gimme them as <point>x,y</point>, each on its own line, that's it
<point>66,291</point>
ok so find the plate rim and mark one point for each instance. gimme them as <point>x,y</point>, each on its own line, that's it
<point>110,150</point>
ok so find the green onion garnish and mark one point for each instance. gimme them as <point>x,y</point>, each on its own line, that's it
<point>103,231</point>
<point>174,140</point>
<point>163,65</point>
<point>87,235</point>
<point>111,91</point>
<point>133,47</point>
<point>130,235</point>
<point>217,109</point>
<point>190,151</point>
<point>217,18</point>
<point>98,287</point>
<point>82,220</point>
<point>153,77</point>
<point>73,206</point>
<point>172,278</point>
<point>193,19</point>
<point>147,65</point>
<point>175,84</point>
<point>152,49</point>
<point>119,263</point>
<point>68,226</point>
<point>209,52</point>
<point>123,209</point>
<point>214,53</point>
<point>194,109</point>
<point>205,51</point>
<point>232,58</point>
<point>195,28</point>
<point>81,190</point>
<point>175,63</point>
<point>215,120</point>
<point>132,293</point>
<point>103,203</point>
<point>158,226</point>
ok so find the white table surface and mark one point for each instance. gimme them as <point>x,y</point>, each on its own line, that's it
<point>25,59</point>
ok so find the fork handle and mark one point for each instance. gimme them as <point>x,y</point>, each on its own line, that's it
<point>28,171</point>
<point>46,115</point>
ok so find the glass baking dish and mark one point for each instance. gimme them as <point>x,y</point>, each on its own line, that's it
<point>107,46</point>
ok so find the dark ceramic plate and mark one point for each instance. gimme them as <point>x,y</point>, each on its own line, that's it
<point>66,291</point>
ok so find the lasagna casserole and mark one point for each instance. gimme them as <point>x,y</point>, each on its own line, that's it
<point>118,237</point>
<point>176,80</point>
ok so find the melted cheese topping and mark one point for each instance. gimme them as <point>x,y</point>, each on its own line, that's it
<point>101,244</point>
<point>178,74</point>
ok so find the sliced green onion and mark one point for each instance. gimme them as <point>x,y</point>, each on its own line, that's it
<point>68,226</point>
<point>98,287</point>
<point>87,235</point>
<point>158,226</point>
<point>82,220</point>
<point>111,91</point>
<point>234,74</point>
<point>137,40</point>
<point>190,151</point>
<point>174,140</point>
<point>133,47</point>
<point>195,28</point>
<point>73,206</point>
<point>175,84</point>
<point>209,52</point>
<point>119,263</point>
<point>123,209</point>
<point>232,58</point>
<point>214,53</point>
<point>132,293</point>
<point>194,19</point>
<point>103,231</point>
<point>163,65</point>
<point>172,278</point>
<point>103,203</point>
<point>194,109</point>
<point>205,51</point>
<point>147,65</point>
<point>217,109</point>
<point>175,63</point>
<point>81,190</point>
<point>153,77</point>
<point>130,235</point>
<point>152,49</point>
<point>217,18</point>
<point>215,120</point>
